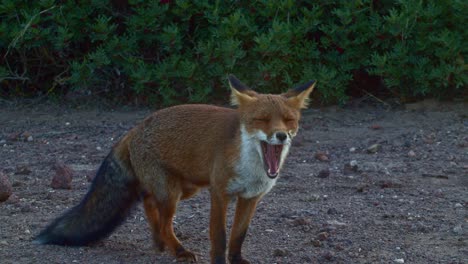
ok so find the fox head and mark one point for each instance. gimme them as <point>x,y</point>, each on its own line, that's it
<point>269,122</point>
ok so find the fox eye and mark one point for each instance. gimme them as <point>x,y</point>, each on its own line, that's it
<point>262,119</point>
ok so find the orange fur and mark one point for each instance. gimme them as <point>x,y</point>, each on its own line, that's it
<point>237,153</point>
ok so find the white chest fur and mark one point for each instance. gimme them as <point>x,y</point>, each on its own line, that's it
<point>251,179</point>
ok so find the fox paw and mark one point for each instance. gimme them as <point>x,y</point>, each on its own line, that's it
<point>186,256</point>
<point>237,259</point>
<point>159,245</point>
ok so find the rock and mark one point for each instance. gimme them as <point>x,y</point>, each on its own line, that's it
<point>316,243</point>
<point>353,149</point>
<point>280,252</point>
<point>374,148</point>
<point>29,138</point>
<point>5,188</point>
<point>458,230</point>
<point>411,154</point>
<point>327,255</point>
<point>388,184</point>
<point>22,169</point>
<point>458,205</point>
<point>362,188</point>
<point>63,176</point>
<point>322,236</point>
<point>322,156</point>
<point>13,199</point>
<point>350,168</point>
<point>302,221</point>
<point>336,223</point>
<point>324,174</point>
<point>400,260</point>
<point>332,211</point>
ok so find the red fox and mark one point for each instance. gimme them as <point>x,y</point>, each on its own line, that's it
<point>237,153</point>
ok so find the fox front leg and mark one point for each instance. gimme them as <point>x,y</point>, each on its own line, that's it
<point>245,210</point>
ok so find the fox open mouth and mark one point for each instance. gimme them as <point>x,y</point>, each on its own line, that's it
<point>271,158</point>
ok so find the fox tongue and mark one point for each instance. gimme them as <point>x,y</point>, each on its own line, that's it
<point>272,155</point>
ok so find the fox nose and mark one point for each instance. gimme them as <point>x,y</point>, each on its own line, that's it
<point>281,136</point>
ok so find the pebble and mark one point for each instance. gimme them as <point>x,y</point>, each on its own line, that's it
<point>328,255</point>
<point>458,205</point>
<point>324,174</point>
<point>353,149</point>
<point>336,223</point>
<point>411,154</point>
<point>30,138</point>
<point>302,221</point>
<point>332,211</point>
<point>350,168</point>
<point>63,176</point>
<point>5,188</point>
<point>316,243</point>
<point>321,156</point>
<point>458,230</point>
<point>374,148</point>
<point>22,169</point>
<point>400,260</point>
<point>280,252</point>
<point>322,236</point>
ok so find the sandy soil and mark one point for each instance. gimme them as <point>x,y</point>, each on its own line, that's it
<point>405,203</point>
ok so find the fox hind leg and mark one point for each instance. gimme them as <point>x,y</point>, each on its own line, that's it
<point>152,214</point>
<point>166,212</point>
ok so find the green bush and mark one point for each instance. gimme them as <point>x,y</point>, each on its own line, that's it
<point>166,52</point>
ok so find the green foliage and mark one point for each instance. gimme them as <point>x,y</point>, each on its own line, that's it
<point>168,52</point>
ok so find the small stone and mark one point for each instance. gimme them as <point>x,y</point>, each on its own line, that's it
<point>280,252</point>
<point>5,188</point>
<point>336,223</point>
<point>316,243</point>
<point>388,184</point>
<point>324,174</point>
<point>322,236</point>
<point>400,260</point>
<point>3,141</point>
<point>458,230</point>
<point>98,148</point>
<point>332,211</point>
<point>29,138</point>
<point>350,168</point>
<point>22,170</point>
<point>362,188</point>
<point>321,156</point>
<point>374,148</point>
<point>411,154</point>
<point>353,149</point>
<point>328,255</point>
<point>458,205</point>
<point>63,176</point>
<point>302,221</point>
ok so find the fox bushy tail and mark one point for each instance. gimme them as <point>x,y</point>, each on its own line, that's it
<point>109,200</point>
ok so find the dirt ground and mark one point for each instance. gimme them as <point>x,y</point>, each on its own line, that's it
<point>404,200</point>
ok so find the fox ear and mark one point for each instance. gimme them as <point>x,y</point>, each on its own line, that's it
<point>240,93</point>
<point>299,96</point>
